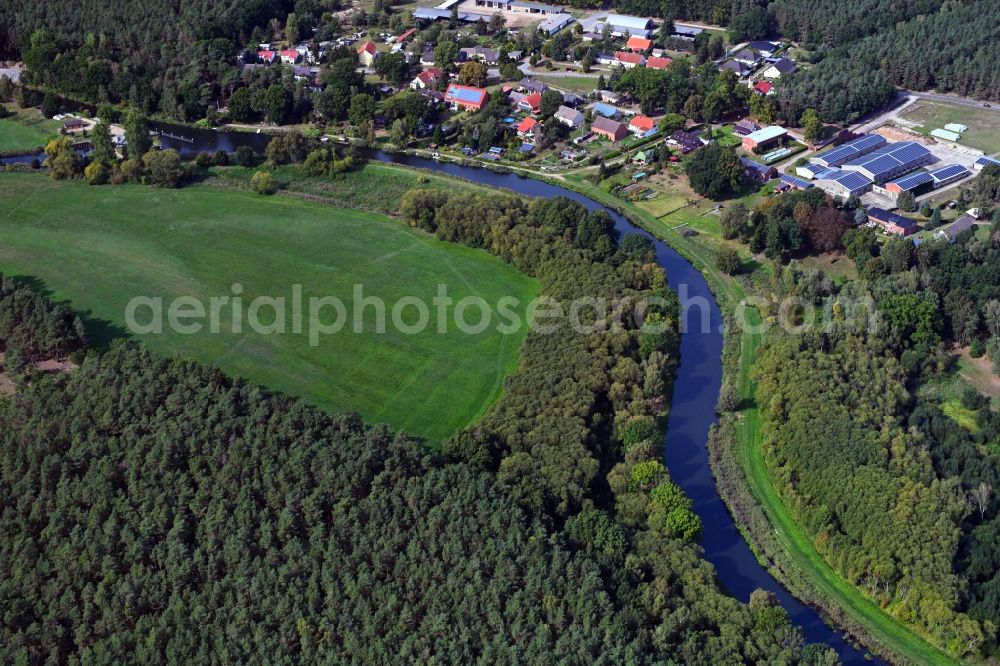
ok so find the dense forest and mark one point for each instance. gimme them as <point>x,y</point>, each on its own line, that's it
<point>898,495</point>
<point>879,45</point>
<point>158,510</point>
<point>151,54</point>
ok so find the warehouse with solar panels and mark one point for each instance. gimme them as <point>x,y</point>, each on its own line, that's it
<point>947,175</point>
<point>850,151</point>
<point>983,162</point>
<point>890,161</point>
<point>843,184</point>
<point>915,183</point>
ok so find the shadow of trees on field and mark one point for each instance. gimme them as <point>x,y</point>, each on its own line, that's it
<point>100,332</point>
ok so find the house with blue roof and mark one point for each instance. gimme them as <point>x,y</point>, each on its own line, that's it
<point>605,110</point>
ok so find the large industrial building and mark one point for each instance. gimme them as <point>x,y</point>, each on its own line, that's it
<point>635,26</point>
<point>890,161</point>
<point>843,184</point>
<point>850,151</point>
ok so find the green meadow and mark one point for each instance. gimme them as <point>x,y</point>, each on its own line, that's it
<point>100,247</point>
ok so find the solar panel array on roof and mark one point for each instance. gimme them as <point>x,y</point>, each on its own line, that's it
<point>887,159</point>
<point>463,94</point>
<point>795,182</point>
<point>851,150</point>
<point>986,160</point>
<point>949,172</point>
<point>913,180</point>
<point>853,181</point>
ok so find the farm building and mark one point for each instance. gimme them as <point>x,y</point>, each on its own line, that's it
<point>612,129</point>
<point>948,174</point>
<point>687,32</point>
<point>635,26</point>
<point>843,184</point>
<point>466,97</point>
<point>892,222</point>
<point>946,135</point>
<point>915,183</point>
<point>519,6</point>
<point>569,117</point>
<point>555,23</point>
<point>890,161</point>
<point>850,150</point>
<point>810,170</point>
<point>985,161</point>
<point>951,232</point>
<point>793,183</point>
<point>764,137</point>
<point>757,171</point>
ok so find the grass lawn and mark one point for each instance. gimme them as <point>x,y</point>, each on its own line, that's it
<point>576,84</point>
<point>26,129</point>
<point>99,247</point>
<point>983,124</point>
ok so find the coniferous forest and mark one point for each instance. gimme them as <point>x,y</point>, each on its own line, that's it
<point>156,510</point>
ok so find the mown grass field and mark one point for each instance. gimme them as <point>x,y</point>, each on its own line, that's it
<point>26,129</point>
<point>99,247</point>
<point>983,124</point>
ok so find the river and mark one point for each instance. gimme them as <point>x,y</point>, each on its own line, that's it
<point>699,378</point>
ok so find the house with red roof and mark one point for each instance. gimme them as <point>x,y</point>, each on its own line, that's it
<point>267,56</point>
<point>639,44</point>
<point>531,103</point>
<point>466,97</point>
<point>640,125</point>
<point>289,56</point>
<point>763,87</point>
<point>367,53</point>
<point>658,63</point>
<point>427,79</point>
<point>629,60</point>
<point>526,127</point>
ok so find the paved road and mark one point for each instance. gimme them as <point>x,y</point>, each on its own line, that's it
<point>954,99</point>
